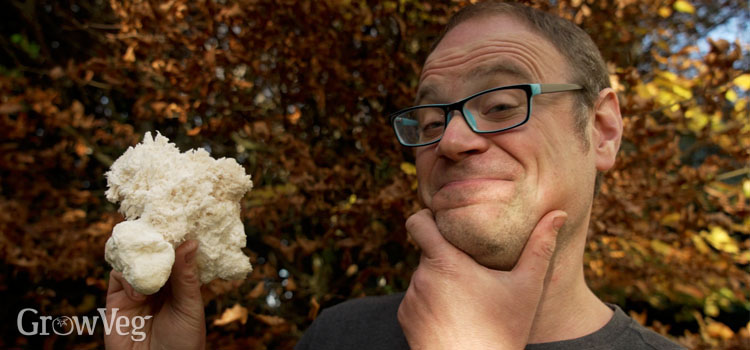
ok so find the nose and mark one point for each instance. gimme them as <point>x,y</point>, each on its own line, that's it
<point>459,141</point>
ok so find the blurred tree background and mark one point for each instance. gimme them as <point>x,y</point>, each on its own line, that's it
<point>298,92</point>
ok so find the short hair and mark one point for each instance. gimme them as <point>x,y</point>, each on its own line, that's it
<point>583,57</point>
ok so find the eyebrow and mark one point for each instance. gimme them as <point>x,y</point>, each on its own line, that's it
<point>485,70</point>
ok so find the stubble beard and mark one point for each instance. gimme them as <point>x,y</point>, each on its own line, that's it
<point>494,234</point>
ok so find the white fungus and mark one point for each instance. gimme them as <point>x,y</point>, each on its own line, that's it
<point>168,197</point>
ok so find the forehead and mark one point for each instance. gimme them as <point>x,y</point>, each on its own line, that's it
<point>488,47</point>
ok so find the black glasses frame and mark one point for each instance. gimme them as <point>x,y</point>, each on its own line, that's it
<point>531,90</point>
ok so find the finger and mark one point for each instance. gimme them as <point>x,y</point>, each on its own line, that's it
<point>114,284</point>
<point>423,230</point>
<point>536,256</point>
<point>184,281</point>
<point>118,283</point>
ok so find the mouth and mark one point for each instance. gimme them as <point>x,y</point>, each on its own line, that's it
<point>460,193</point>
<point>469,183</point>
<point>469,192</point>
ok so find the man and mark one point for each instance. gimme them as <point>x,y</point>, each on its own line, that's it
<point>508,191</point>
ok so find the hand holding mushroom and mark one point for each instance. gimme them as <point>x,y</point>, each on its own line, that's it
<point>168,197</point>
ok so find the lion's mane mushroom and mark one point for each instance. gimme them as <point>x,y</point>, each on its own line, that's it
<point>168,197</point>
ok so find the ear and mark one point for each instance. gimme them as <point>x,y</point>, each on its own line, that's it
<point>607,130</point>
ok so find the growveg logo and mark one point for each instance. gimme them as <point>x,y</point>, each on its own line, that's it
<point>30,324</point>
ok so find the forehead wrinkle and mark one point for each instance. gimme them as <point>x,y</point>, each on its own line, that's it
<point>424,92</point>
<point>529,56</point>
<point>504,67</point>
<point>491,69</point>
<point>527,71</point>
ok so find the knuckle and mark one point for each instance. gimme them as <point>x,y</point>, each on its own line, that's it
<point>546,249</point>
<point>418,279</point>
<point>402,314</point>
<point>443,266</point>
<point>190,277</point>
<point>411,223</point>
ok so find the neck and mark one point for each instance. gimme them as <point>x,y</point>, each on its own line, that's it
<point>568,309</point>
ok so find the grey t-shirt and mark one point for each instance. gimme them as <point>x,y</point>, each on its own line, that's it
<point>371,323</point>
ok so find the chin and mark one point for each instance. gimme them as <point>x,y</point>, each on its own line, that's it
<point>494,237</point>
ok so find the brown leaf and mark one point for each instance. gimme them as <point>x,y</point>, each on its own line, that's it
<point>73,215</point>
<point>314,308</point>
<point>235,313</point>
<point>270,320</point>
<point>228,12</point>
<point>129,55</point>
<point>56,73</point>
<point>10,108</point>
<point>257,291</point>
<point>194,131</point>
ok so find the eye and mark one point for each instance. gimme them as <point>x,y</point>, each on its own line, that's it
<point>500,107</point>
<point>430,119</point>
<point>433,125</point>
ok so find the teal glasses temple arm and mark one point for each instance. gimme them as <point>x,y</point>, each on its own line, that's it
<point>537,89</point>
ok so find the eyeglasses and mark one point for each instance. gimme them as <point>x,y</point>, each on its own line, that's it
<point>490,111</point>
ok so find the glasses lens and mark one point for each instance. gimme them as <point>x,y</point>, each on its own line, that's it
<point>497,110</point>
<point>420,126</point>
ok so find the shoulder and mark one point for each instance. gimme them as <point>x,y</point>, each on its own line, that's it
<point>364,323</point>
<point>636,333</point>
<point>377,307</point>
<point>621,333</point>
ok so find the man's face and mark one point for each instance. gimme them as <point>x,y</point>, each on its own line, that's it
<point>488,192</point>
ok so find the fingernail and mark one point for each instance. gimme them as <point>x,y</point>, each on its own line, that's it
<point>190,256</point>
<point>559,221</point>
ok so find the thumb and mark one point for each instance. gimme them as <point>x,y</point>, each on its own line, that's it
<point>184,281</point>
<point>534,261</point>
<point>423,230</point>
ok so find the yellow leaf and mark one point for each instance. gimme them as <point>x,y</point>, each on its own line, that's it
<point>352,199</point>
<point>743,81</point>
<point>719,330</point>
<point>697,120</point>
<point>711,309</point>
<point>684,6</point>
<point>643,91</point>
<point>235,313</point>
<point>746,188</point>
<point>720,239</point>
<point>727,293</point>
<point>661,247</point>
<point>669,76</point>
<point>408,168</point>
<point>699,243</point>
<point>671,219</point>
<point>717,124</point>
<point>666,98</point>
<point>682,92</point>
<point>731,96</point>
<point>726,141</point>
<point>665,11</point>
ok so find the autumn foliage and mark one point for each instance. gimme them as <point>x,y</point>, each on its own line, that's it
<point>298,92</point>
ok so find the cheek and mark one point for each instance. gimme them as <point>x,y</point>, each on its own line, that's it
<point>567,180</point>
<point>549,163</point>
<point>425,160</point>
